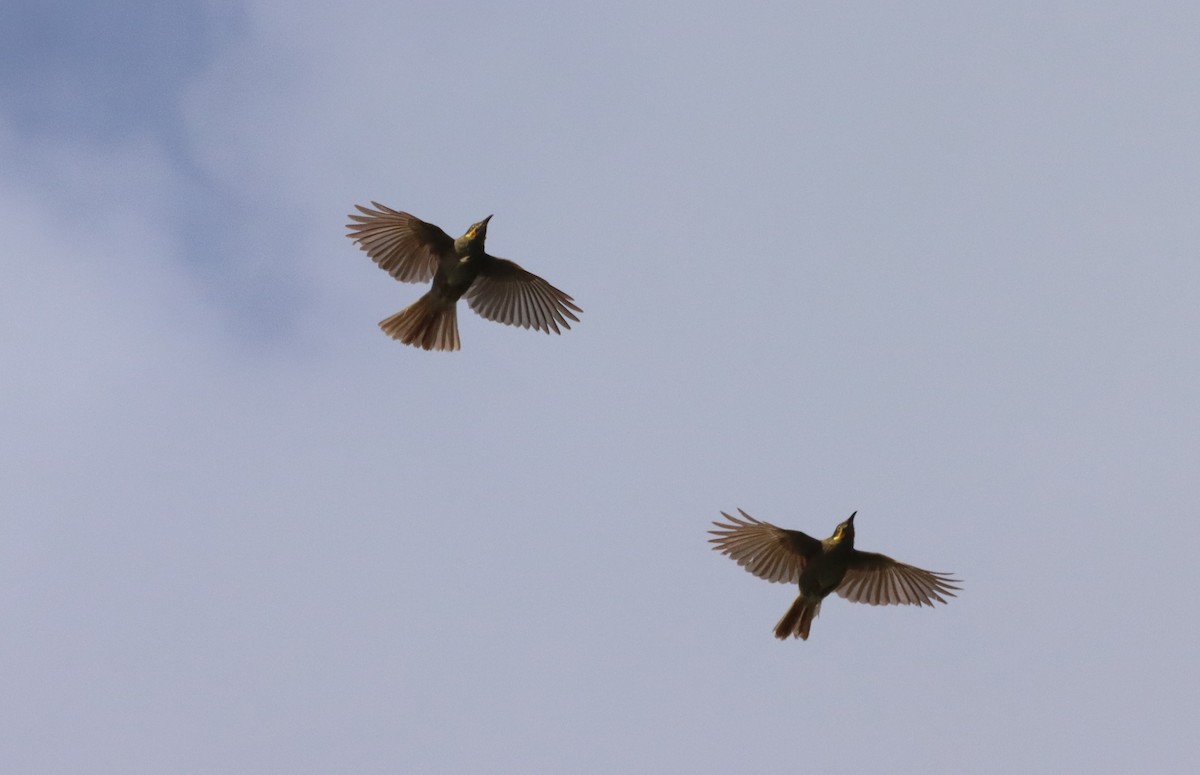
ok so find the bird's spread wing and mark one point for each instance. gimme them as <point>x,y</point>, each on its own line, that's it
<point>877,579</point>
<point>506,293</point>
<point>767,551</point>
<point>404,246</point>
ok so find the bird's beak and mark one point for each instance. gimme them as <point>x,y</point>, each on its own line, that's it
<point>851,519</point>
<point>485,220</point>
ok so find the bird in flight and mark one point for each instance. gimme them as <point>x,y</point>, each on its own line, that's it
<point>413,251</point>
<point>824,566</point>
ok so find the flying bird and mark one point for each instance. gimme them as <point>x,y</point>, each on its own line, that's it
<point>414,251</point>
<point>821,567</point>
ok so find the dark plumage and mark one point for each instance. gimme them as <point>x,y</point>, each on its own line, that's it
<point>414,251</point>
<point>822,567</point>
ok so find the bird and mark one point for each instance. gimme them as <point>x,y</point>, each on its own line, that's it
<point>413,251</point>
<point>824,566</point>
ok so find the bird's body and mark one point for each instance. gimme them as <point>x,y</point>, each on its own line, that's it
<point>821,575</point>
<point>412,250</point>
<point>822,567</point>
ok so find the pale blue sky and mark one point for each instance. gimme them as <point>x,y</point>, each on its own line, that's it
<point>929,262</point>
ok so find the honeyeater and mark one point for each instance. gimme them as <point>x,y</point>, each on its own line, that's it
<point>824,566</point>
<point>413,251</point>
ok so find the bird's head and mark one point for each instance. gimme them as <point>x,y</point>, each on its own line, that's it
<point>474,237</point>
<point>845,531</point>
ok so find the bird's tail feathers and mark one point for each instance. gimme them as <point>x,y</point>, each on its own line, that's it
<point>429,323</point>
<point>798,619</point>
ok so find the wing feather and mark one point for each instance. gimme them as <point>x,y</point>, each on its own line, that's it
<point>767,551</point>
<point>402,245</point>
<point>877,579</point>
<point>506,293</point>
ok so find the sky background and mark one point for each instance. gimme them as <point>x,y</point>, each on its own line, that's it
<point>933,262</point>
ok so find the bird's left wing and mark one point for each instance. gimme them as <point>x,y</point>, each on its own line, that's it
<point>767,551</point>
<point>506,293</point>
<point>877,579</point>
<point>403,245</point>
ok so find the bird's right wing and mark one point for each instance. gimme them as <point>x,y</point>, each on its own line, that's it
<point>506,293</point>
<point>403,245</point>
<point>767,551</point>
<point>877,579</point>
